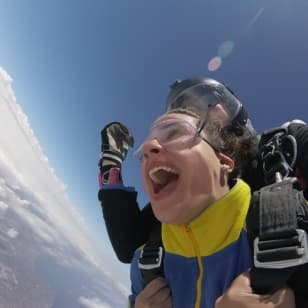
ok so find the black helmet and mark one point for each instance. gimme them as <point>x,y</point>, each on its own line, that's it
<point>205,96</point>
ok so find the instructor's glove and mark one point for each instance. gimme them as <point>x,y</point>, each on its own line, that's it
<point>300,132</point>
<point>116,139</point>
<point>295,159</point>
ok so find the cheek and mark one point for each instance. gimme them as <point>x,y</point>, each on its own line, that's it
<point>145,181</point>
<point>198,190</point>
<point>143,176</point>
<point>202,173</point>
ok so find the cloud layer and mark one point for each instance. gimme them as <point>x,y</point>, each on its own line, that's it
<point>37,215</point>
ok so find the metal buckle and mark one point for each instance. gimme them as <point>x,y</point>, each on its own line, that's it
<point>157,260</point>
<point>301,250</point>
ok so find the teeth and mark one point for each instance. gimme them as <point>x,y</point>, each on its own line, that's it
<point>154,175</point>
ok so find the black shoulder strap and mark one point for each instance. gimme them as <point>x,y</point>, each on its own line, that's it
<point>280,246</point>
<point>151,257</point>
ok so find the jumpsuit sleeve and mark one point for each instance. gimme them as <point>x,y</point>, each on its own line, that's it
<point>128,227</point>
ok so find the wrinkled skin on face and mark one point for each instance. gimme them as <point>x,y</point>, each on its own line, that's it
<point>182,184</point>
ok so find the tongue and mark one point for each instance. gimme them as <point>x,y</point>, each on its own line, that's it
<point>165,178</point>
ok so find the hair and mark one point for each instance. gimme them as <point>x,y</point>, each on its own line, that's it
<point>242,149</point>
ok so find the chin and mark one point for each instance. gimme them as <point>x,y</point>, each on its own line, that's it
<point>163,214</point>
<point>168,215</point>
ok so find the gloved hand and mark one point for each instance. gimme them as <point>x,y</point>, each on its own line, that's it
<point>116,139</point>
<point>300,132</point>
<point>281,150</point>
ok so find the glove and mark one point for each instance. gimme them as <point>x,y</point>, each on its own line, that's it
<point>277,152</point>
<point>116,139</point>
<point>300,133</point>
<point>282,150</point>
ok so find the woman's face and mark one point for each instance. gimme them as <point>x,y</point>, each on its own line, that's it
<point>182,174</point>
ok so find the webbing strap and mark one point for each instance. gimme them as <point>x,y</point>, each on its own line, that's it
<point>278,218</point>
<point>277,211</point>
<point>274,206</point>
<point>151,257</point>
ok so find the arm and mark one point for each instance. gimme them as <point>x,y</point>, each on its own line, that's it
<point>253,172</point>
<point>128,227</point>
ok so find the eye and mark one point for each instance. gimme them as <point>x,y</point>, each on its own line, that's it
<point>173,133</point>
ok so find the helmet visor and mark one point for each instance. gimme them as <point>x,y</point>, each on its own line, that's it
<point>209,100</point>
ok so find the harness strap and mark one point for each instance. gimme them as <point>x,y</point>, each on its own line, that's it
<point>151,257</point>
<point>280,247</point>
<point>277,211</point>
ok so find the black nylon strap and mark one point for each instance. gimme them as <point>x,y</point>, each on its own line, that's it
<point>152,256</point>
<point>274,206</point>
<point>278,254</point>
<point>277,243</point>
<point>277,211</point>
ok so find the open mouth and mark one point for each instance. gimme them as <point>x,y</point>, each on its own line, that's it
<point>162,176</point>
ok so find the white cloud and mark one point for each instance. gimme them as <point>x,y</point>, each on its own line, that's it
<point>7,276</point>
<point>3,206</point>
<point>30,188</point>
<point>93,302</point>
<point>29,169</point>
<point>12,233</point>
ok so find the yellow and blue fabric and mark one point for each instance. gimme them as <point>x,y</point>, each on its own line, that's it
<point>204,257</point>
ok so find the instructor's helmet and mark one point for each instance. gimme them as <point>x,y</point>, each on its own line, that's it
<point>211,100</point>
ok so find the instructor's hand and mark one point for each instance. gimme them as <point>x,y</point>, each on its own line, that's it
<point>155,295</point>
<point>240,295</point>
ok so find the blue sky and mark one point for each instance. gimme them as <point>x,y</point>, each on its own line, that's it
<point>78,65</point>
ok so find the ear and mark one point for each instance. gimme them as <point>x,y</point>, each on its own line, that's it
<point>227,161</point>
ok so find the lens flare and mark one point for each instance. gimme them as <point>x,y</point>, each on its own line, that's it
<point>225,49</point>
<point>214,64</point>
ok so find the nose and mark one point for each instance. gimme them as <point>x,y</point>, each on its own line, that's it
<point>150,147</point>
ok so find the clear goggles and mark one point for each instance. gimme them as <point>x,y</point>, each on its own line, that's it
<point>210,100</point>
<point>175,135</point>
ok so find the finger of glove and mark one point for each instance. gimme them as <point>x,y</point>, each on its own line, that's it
<point>299,130</point>
<point>302,149</point>
<point>293,128</point>
<point>300,133</point>
<point>121,133</point>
